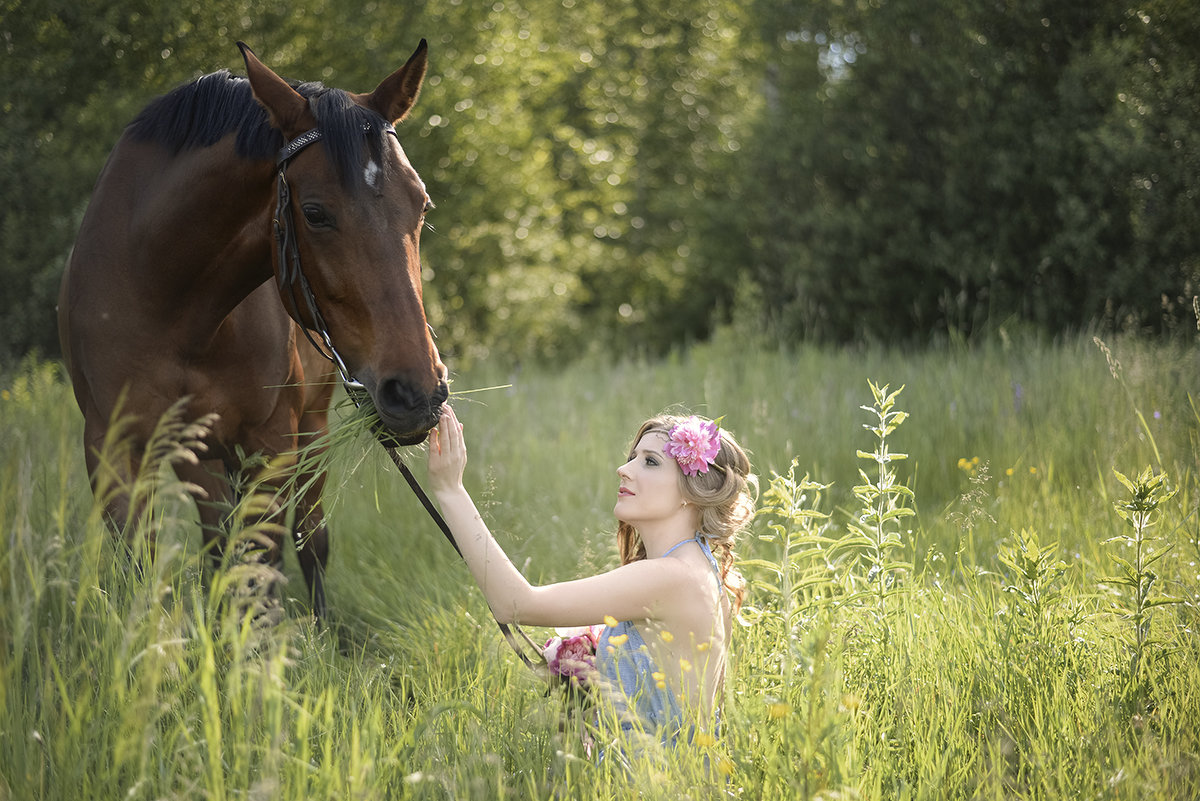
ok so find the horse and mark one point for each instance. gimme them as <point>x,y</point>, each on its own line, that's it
<point>240,227</point>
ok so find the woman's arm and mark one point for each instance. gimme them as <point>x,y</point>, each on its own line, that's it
<point>645,589</point>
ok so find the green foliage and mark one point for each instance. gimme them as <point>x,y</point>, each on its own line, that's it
<point>1141,511</point>
<point>1036,571</point>
<point>933,169</point>
<point>627,177</point>
<point>883,502</point>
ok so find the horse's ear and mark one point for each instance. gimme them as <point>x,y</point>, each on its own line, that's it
<point>286,107</point>
<point>397,93</point>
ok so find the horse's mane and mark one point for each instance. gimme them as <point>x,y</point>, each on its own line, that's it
<point>200,113</point>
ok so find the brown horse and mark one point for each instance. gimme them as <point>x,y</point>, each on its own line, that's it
<point>212,191</point>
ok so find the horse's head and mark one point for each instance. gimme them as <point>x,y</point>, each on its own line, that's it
<point>351,211</point>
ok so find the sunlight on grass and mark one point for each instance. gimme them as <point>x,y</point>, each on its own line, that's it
<point>1012,637</point>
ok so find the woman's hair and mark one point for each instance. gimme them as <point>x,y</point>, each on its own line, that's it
<point>725,496</point>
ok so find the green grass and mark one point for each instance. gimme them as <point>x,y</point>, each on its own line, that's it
<point>946,685</point>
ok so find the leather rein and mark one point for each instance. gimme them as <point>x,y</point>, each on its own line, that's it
<point>295,288</point>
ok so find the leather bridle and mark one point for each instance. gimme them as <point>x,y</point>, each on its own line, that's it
<point>290,276</point>
<point>295,288</point>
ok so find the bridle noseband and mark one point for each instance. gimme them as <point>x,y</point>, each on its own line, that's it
<point>292,282</point>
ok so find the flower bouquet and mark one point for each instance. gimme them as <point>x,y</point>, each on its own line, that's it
<point>571,660</point>
<point>571,655</point>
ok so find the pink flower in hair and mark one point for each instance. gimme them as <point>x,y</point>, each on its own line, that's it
<point>693,443</point>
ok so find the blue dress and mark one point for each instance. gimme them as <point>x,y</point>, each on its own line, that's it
<point>626,673</point>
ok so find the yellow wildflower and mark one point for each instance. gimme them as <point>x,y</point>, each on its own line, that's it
<point>685,665</point>
<point>703,739</point>
<point>619,639</point>
<point>725,766</point>
<point>704,646</point>
<point>610,621</point>
<point>667,636</point>
<point>779,709</point>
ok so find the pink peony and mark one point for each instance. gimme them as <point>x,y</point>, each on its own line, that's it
<point>571,654</point>
<point>694,444</point>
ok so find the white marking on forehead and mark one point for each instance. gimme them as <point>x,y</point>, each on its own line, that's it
<point>371,174</point>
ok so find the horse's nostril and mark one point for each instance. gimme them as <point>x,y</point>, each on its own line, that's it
<point>398,396</point>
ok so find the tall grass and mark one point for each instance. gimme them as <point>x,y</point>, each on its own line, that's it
<point>1002,658</point>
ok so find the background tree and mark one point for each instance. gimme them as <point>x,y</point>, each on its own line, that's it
<point>631,174</point>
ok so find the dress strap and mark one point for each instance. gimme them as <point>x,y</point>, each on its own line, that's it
<point>712,560</point>
<point>699,540</point>
<point>676,545</point>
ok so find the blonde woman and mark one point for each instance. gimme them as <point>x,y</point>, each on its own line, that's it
<point>682,496</point>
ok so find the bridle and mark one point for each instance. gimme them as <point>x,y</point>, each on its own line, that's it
<point>289,275</point>
<point>292,283</point>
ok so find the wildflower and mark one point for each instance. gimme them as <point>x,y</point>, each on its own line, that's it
<point>660,680</point>
<point>704,646</point>
<point>685,665</point>
<point>704,740</point>
<point>610,621</point>
<point>619,639</point>
<point>667,636</point>
<point>779,709</point>
<point>725,766</point>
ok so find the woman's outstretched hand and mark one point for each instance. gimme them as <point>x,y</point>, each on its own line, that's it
<point>447,453</point>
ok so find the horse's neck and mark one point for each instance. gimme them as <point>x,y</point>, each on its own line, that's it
<point>205,219</point>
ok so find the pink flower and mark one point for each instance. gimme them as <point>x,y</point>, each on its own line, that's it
<point>572,654</point>
<point>694,444</point>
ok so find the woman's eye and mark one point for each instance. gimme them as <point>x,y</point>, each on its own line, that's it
<point>650,460</point>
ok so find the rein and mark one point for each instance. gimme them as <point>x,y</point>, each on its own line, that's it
<point>292,282</point>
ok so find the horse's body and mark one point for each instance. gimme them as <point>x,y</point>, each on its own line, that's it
<point>170,292</point>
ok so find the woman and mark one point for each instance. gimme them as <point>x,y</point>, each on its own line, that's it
<point>684,493</point>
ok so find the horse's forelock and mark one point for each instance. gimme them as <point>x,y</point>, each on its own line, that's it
<point>348,130</point>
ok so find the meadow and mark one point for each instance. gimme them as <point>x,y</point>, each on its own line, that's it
<point>974,575</point>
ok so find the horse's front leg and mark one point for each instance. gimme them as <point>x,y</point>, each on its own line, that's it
<point>112,462</point>
<point>312,541</point>
<point>215,500</point>
<point>310,532</point>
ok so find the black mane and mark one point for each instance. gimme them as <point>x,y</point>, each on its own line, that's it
<point>200,113</point>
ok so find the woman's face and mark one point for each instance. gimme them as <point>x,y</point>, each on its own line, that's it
<point>649,487</point>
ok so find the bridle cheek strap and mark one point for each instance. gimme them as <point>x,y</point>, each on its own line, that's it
<point>289,274</point>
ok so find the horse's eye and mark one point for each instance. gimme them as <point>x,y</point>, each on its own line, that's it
<point>316,216</point>
<point>428,207</point>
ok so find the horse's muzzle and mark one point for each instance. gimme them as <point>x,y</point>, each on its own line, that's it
<point>404,414</point>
